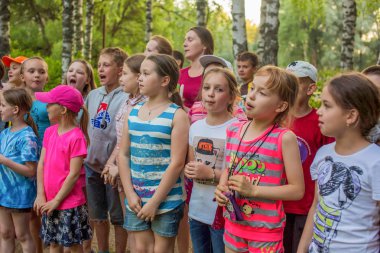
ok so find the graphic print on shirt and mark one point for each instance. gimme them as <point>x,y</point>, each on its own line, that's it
<point>209,151</point>
<point>304,148</point>
<point>338,185</point>
<point>102,118</point>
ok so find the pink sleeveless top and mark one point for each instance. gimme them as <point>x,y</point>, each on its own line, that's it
<point>264,220</point>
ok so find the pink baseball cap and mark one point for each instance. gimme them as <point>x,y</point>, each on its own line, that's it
<point>63,95</point>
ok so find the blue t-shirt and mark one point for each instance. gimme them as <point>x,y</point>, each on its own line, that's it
<point>17,191</point>
<point>40,117</point>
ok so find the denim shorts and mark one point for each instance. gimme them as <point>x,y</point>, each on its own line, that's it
<point>102,199</point>
<point>165,225</point>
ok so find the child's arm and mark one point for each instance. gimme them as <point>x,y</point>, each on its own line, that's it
<point>179,140</point>
<point>295,188</point>
<point>134,201</point>
<point>28,169</point>
<point>40,198</point>
<point>110,171</point>
<point>76,164</point>
<point>222,188</point>
<point>307,233</point>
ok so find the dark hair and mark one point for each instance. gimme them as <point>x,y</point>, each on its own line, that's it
<point>372,70</point>
<point>22,68</point>
<point>282,83</point>
<point>2,71</point>
<point>167,66</point>
<point>21,98</point>
<point>163,45</point>
<point>231,80</point>
<point>83,123</point>
<point>206,38</point>
<point>179,56</point>
<point>355,91</point>
<point>134,62</point>
<point>248,56</point>
<point>90,74</point>
<point>118,54</point>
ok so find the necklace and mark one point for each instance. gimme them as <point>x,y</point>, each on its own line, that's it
<point>157,107</point>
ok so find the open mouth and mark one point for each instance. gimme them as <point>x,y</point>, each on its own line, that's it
<point>72,81</point>
<point>102,77</point>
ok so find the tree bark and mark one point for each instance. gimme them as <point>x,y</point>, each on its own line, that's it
<point>41,24</point>
<point>88,32</point>
<point>201,12</point>
<point>67,35</point>
<point>5,17</point>
<point>149,20</point>
<point>239,33</point>
<point>348,35</point>
<point>77,27</point>
<point>269,24</point>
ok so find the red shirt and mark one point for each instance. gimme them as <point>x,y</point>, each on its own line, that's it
<point>310,139</point>
<point>191,86</point>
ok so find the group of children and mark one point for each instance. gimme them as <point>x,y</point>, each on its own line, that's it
<point>262,172</point>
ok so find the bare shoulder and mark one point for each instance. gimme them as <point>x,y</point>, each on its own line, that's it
<point>289,138</point>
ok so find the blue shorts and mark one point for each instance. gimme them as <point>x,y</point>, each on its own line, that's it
<point>102,199</point>
<point>165,225</point>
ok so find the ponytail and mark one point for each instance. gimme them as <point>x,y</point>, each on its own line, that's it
<point>176,98</point>
<point>84,124</point>
<point>29,120</point>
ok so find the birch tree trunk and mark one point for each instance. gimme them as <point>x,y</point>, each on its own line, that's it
<point>269,24</point>
<point>201,12</point>
<point>348,35</point>
<point>88,32</point>
<point>149,20</point>
<point>239,33</point>
<point>67,35</point>
<point>5,17</point>
<point>78,30</point>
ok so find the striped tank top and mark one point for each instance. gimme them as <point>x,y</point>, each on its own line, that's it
<point>150,143</point>
<point>264,219</point>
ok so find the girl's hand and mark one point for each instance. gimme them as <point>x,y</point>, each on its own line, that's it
<point>105,173</point>
<point>113,173</point>
<point>134,202</point>
<point>39,203</point>
<point>148,212</point>
<point>219,194</point>
<point>50,206</point>
<point>243,186</point>
<point>197,170</point>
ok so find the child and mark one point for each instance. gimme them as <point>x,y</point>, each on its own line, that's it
<point>103,103</point>
<point>247,64</point>
<point>260,155</point>
<point>81,76</point>
<point>14,65</point>
<point>206,155</point>
<point>347,195</point>
<point>18,162</point>
<point>60,177</point>
<point>158,45</point>
<point>305,125</point>
<point>2,73</point>
<point>152,156</point>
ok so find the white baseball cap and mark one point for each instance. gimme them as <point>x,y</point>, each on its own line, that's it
<point>303,69</point>
<point>205,60</point>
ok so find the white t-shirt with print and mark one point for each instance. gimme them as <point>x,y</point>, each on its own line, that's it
<point>208,143</point>
<point>347,214</point>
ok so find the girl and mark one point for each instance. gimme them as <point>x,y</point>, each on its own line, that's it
<point>158,45</point>
<point>80,75</point>
<point>60,175</point>
<point>34,74</point>
<point>347,194</point>
<point>206,154</point>
<point>14,65</point>
<point>18,162</point>
<point>259,155</point>
<point>152,156</point>
<point>198,41</point>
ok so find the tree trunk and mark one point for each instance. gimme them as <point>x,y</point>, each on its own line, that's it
<point>67,35</point>
<point>149,20</point>
<point>201,12</point>
<point>239,33</point>
<point>77,27</point>
<point>348,35</point>
<point>88,33</point>
<point>269,24</point>
<point>5,17</point>
<point>41,24</point>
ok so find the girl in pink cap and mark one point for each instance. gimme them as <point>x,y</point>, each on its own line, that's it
<point>60,173</point>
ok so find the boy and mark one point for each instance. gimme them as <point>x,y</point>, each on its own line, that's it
<point>310,139</point>
<point>247,63</point>
<point>103,104</point>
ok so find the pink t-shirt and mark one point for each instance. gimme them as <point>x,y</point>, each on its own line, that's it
<point>190,86</point>
<point>59,151</point>
<point>264,219</point>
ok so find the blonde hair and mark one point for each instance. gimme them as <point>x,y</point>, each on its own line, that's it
<point>22,68</point>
